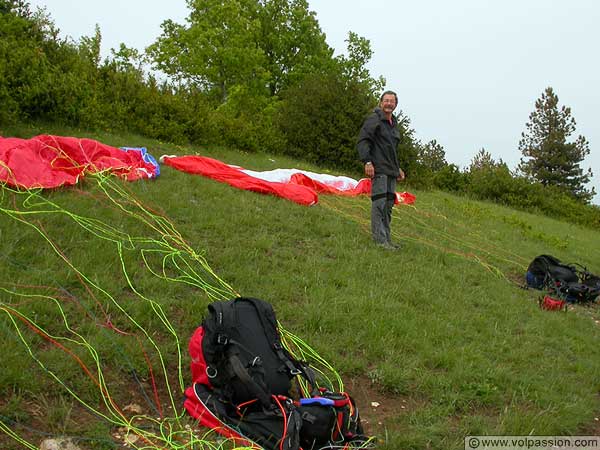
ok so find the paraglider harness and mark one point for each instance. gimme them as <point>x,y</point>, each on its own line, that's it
<point>242,385</point>
<point>564,283</point>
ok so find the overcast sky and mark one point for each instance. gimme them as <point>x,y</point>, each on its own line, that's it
<point>467,72</point>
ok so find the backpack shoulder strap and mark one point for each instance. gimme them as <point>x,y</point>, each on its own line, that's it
<point>269,321</point>
<point>223,318</point>
<point>242,373</point>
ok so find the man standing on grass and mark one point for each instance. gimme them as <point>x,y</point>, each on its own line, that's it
<point>378,150</point>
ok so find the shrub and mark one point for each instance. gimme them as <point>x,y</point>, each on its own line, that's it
<point>320,118</point>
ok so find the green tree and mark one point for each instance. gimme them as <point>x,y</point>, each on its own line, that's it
<point>548,158</point>
<point>28,41</point>
<point>491,179</point>
<point>320,114</point>
<point>354,65</point>
<point>19,8</point>
<point>19,38</point>
<point>291,41</point>
<point>408,149</point>
<point>216,50</point>
<point>320,118</point>
<point>483,161</point>
<point>432,156</point>
<point>263,45</point>
<point>449,178</point>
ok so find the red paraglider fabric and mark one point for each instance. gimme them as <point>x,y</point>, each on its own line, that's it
<point>296,185</point>
<point>233,176</point>
<point>48,161</point>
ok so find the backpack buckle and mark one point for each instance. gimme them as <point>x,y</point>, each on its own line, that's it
<point>222,339</point>
<point>256,362</point>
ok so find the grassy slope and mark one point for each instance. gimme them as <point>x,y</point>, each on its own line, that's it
<point>440,331</point>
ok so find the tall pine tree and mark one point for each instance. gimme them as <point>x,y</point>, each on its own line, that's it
<point>548,157</point>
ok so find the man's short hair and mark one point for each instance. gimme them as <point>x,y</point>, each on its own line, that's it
<point>389,93</point>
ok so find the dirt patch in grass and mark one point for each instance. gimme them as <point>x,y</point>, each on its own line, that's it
<point>375,405</point>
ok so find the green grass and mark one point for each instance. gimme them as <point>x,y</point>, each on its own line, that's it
<point>441,331</point>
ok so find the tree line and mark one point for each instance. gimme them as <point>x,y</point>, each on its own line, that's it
<point>258,75</point>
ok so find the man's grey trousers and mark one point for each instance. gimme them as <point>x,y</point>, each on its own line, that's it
<point>383,195</point>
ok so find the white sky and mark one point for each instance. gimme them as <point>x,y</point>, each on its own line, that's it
<point>467,72</point>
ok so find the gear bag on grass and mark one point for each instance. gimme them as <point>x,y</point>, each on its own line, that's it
<point>569,282</point>
<point>243,377</point>
<point>552,304</point>
<point>330,420</point>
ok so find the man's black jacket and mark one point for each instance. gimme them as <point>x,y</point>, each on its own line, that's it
<point>378,142</point>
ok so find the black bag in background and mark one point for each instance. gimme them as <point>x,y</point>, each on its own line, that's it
<point>564,281</point>
<point>545,270</point>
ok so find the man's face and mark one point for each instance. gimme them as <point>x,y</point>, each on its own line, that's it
<point>388,103</point>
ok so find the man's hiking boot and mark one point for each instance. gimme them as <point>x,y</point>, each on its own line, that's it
<point>389,246</point>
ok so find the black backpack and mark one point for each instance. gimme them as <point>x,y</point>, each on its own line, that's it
<point>246,384</point>
<point>243,351</point>
<point>569,282</point>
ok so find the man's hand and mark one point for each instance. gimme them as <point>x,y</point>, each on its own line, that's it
<point>369,170</point>
<point>401,176</point>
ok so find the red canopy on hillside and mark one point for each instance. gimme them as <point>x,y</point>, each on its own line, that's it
<point>233,176</point>
<point>296,185</point>
<point>48,161</point>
